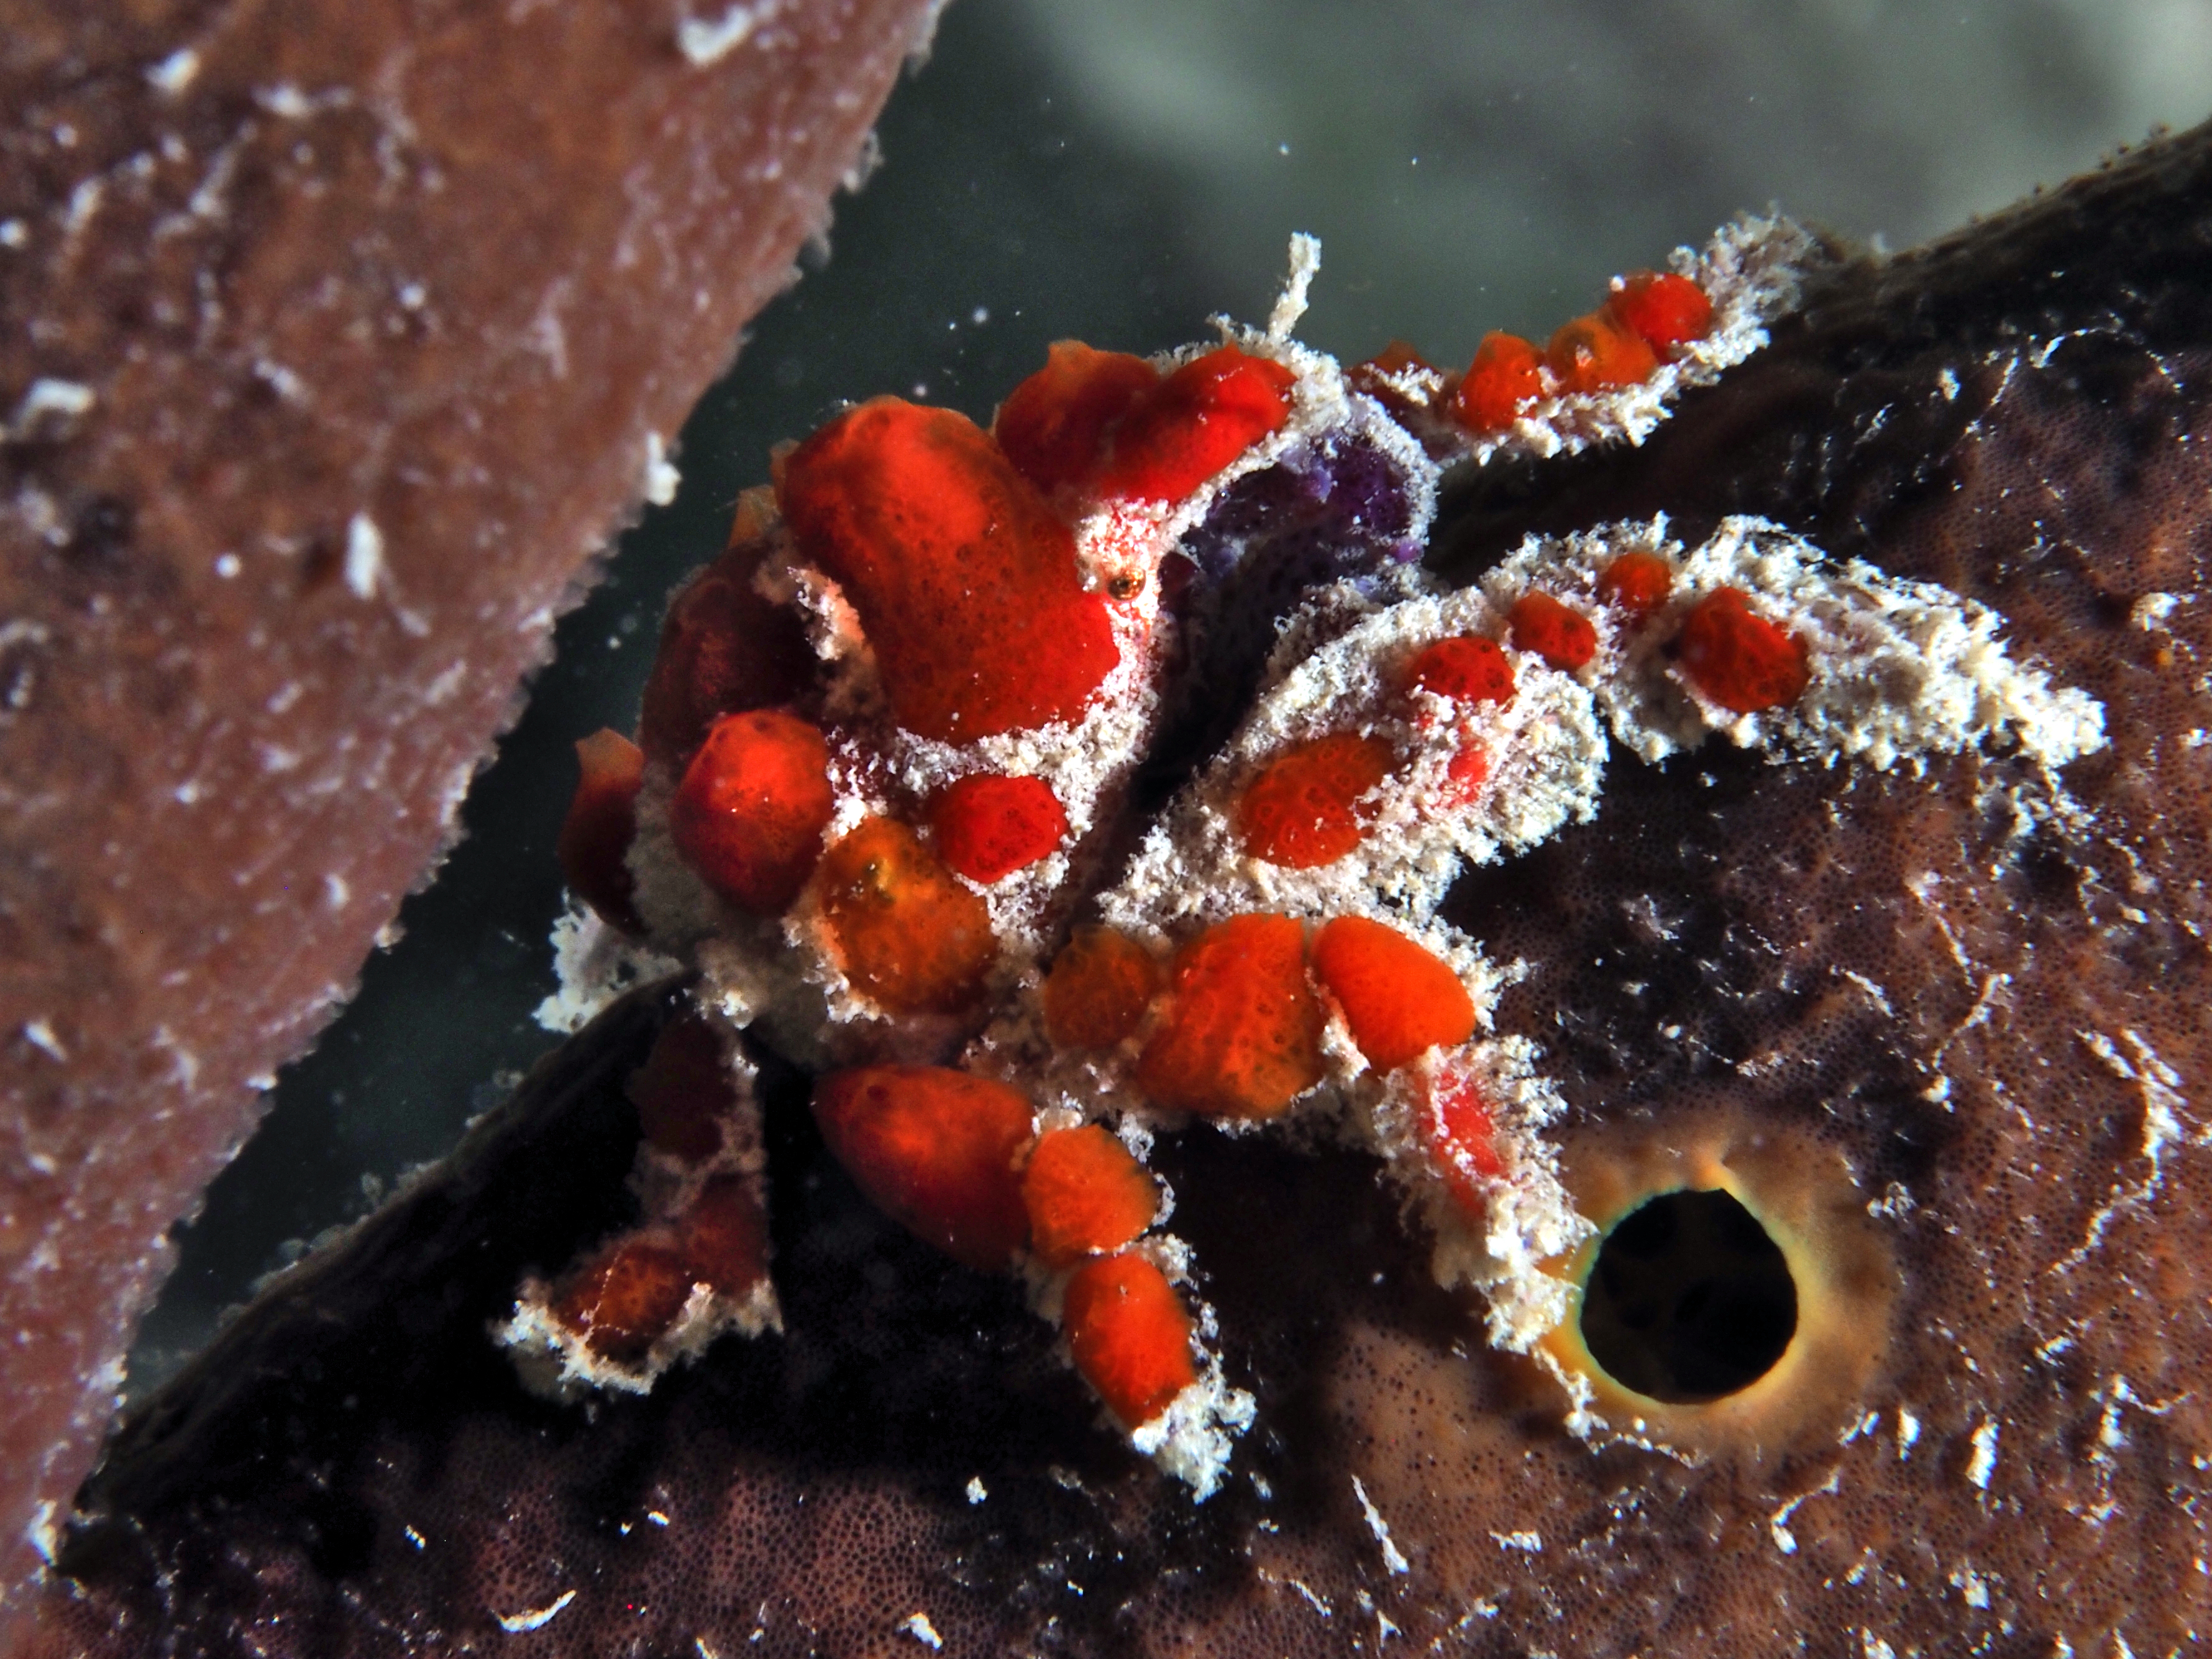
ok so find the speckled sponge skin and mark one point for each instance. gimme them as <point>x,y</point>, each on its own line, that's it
<point>337,337</point>
<point>1981,1034</point>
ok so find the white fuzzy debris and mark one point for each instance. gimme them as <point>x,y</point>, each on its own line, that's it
<point>976,1491</point>
<point>1305,263</point>
<point>662,480</point>
<point>1908,1433</point>
<point>514,1624</point>
<point>1393,1559</point>
<point>364,555</point>
<point>49,406</point>
<point>917,1626</point>
<point>2163,1128</point>
<point>40,1036</point>
<point>1983,1464</point>
<point>1530,1543</point>
<point>706,41</point>
<point>1190,1440</point>
<point>175,73</point>
<point>593,965</point>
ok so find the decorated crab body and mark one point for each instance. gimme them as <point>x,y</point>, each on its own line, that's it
<point>1050,789</point>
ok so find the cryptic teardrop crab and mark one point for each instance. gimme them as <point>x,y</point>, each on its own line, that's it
<point>1046,789</point>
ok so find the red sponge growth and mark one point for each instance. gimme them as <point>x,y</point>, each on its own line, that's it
<point>750,811</point>
<point>723,1236</point>
<point>626,1298</point>
<point>595,837</point>
<point>934,1150</point>
<point>1740,659</point>
<point>1086,1196</point>
<point>1665,311</point>
<point>1242,1037</point>
<point>911,937</point>
<point>1506,376</point>
<point>1462,1138</point>
<point>1561,635</point>
<point>1312,804</point>
<point>1466,668</point>
<point>1636,584</point>
<point>988,826</point>
<point>1195,423</point>
<point>1055,427</point>
<point>683,1090</point>
<point>1596,353</point>
<point>965,583</point>
<point>723,649</point>
<point>1098,989</point>
<point>1399,1000</point>
<point>1130,1336</point>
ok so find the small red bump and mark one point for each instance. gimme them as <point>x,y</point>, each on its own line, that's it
<point>987,826</point>
<point>1462,1138</point>
<point>1399,1000</point>
<point>910,936</point>
<point>965,582</point>
<point>595,837</point>
<point>1056,425</point>
<point>1595,354</point>
<point>1194,423</point>
<point>750,811</point>
<point>626,1298</point>
<point>1086,1196</point>
<point>1130,1336</point>
<point>934,1150</point>
<point>1242,1037</point>
<point>1098,989</point>
<point>723,649</point>
<point>1312,804</point>
<point>1560,636</point>
<point>1466,668</point>
<point>1466,772</point>
<point>723,1236</point>
<point>1506,376</point>
<point>1664,310</point>
<point>1740,659</point>
<point>1636,584</point>
<point>683,1090</point>
<point>1374,377</point>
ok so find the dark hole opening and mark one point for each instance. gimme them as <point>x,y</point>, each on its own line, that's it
<point>1689,1299</point>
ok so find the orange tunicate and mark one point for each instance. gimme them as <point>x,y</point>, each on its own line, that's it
<point>1636,584</point>
<point>1311,805</point>
<point>1242,1037</point>
<point>595,837</point>
<point>965,582</point>
<point>723,649</point>
<point>626,1298</point>
<point>1399,1000</point>
<point>1561,635</point>
<point>683,1090</point>
<point>1466,667</point>
<point>723,1236</point>
<point>1506,376</point>
<point>988,826</point>
<point>1663,310</point>
<point>912,936</point>
<point>1086,1196</point>
<point>1737,658</point>
<point>1194,423</point>
<point>1374,376</point>
<point>1462,1138</point>
<point>1055,426</point>
<point>1130,1336</point>
<point>1595,353</point>
<point>750,813</point>
<point>934,1150</point>
<point>1098,989</point>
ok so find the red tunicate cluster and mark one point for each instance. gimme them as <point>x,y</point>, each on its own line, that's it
<point>1646,321</point>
